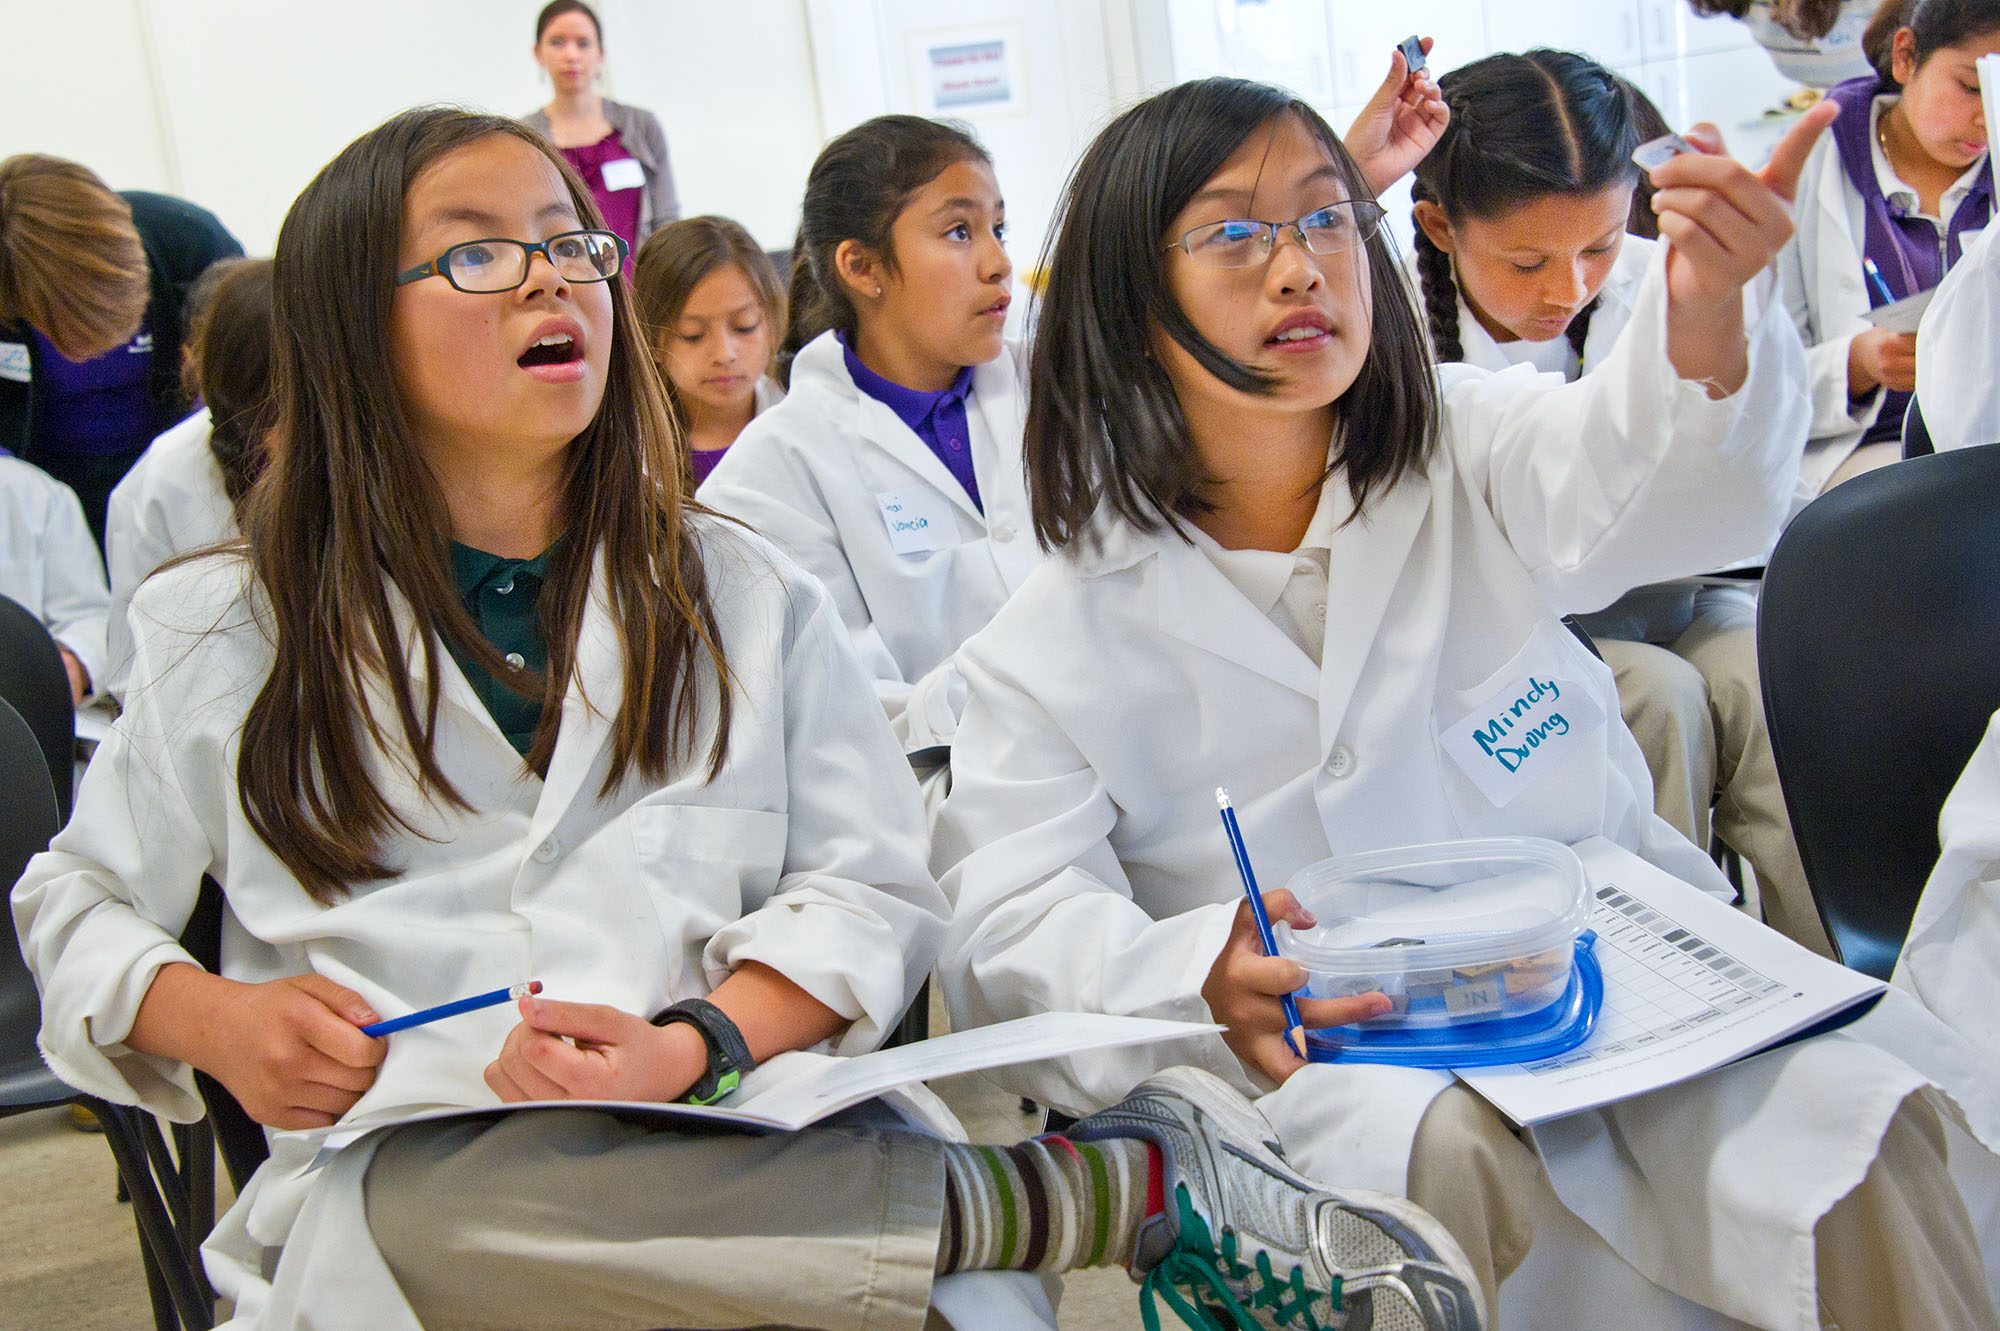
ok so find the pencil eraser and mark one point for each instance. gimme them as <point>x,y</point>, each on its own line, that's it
<point>1413,53</point>
<point>1658,152</point>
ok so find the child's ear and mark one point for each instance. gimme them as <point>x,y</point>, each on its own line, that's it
<point>859,269</point>
<point>1435,224</point>
<point>1903,55</point>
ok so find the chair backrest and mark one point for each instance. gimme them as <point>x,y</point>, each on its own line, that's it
<point>1878,639</point>
<point>25,828</point>
<point>1916,435</point>
<point>34,682</point>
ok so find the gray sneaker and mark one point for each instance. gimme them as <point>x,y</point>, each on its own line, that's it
<point>1245,1242</point>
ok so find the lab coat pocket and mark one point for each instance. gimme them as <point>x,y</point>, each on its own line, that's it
<point>705,867</point>
<point>1525,750</point>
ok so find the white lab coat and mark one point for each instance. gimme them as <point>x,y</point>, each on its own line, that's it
<point>170,502</point>
<point>1951,959</point>
<point>1958,351</point>
<point>1820,271</point>
<point>1121,686</point>
<point>49,562</point>
<point>638,898</point>
<point>812,474</point>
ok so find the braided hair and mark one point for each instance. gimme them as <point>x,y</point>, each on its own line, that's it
<point>1522,127</point>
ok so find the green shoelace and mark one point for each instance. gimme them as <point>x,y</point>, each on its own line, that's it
<point>1199,1266</point>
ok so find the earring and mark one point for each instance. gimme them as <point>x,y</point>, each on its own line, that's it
<point>878,293</point>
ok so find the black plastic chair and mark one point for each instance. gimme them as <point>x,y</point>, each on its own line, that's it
<point>1878,639</point>
<point>35,683</point>
<point>1916,435</point>
<point>161,1204</point>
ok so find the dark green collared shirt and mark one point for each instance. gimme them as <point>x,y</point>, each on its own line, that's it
<point>500,594</point>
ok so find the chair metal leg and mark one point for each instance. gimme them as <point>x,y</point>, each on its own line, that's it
<point>164,1318</point>
<point>187,1289</point>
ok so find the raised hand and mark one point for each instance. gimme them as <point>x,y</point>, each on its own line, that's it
<point>1399,125</point>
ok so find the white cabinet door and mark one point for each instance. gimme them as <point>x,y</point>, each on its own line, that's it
<point>1365,33</point>
<point>1606,31</point>
<point>1668,28</point>
<point>1277,41</point>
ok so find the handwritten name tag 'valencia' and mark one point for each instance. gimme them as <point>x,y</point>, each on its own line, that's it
<point>1507,743</point>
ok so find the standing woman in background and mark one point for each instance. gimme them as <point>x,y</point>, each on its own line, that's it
<point>620,151</point>
<point>1902,182</point>
<point>714,311</point>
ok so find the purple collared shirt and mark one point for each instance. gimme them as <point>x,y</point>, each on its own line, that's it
<point>937,418</point>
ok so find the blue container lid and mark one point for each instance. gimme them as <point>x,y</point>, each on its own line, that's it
<point>1555,1029</point>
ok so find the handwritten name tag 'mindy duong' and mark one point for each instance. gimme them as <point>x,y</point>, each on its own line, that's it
<point>1520,733</point>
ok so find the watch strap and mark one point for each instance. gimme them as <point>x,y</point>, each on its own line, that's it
<point>728,1054</point>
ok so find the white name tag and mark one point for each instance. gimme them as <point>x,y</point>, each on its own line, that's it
<point>1520,733</point>
<point>625,173</point>
<point>918,520</point>
<point>14,362</point>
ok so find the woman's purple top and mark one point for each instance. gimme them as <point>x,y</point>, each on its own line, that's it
<point>620,207</point>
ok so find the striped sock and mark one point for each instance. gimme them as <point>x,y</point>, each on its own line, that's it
<point>1047,1204</point>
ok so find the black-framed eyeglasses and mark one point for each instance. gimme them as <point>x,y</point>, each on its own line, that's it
<point>1239,242</point>
<point>488,267</point>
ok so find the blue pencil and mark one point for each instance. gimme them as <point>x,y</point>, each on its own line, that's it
<point>1875,276</point>
<point>443,1010</point>
<point>1295,1033</point>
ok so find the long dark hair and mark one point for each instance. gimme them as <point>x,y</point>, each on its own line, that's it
<point>228,367</point>
<point>1522,127</point>
<point>1933,23</point>
<point>857,187</point>
<point>349,506</point>
<point>1104,426</point>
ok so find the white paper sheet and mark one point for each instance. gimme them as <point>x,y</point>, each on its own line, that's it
<point>796,1089</point>
<point>1690,984</point>
<point>1904,315</point>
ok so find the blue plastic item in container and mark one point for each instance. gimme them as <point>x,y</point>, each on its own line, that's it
<point>1482,946</point>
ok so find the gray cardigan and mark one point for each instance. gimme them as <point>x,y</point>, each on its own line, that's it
<point>642,136</point>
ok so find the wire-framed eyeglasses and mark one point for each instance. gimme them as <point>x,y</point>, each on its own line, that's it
<point>487,267</point>
<point>1239,242</point>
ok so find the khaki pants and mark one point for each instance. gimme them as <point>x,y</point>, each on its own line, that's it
<point>1697,710</point>
<point>571,1220</point>
<point>1896,1254</point>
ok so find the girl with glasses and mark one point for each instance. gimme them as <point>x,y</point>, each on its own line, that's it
<point>1522,259</point>
<point>893,469</point>
<point>1290,555</point>
<point>483,696</point>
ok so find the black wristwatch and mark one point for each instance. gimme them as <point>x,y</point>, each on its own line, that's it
<point>728,1056</point>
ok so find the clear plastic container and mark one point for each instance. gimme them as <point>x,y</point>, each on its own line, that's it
<point>1481,945</point>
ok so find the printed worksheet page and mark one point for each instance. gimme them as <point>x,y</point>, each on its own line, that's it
<point>1690,983</point>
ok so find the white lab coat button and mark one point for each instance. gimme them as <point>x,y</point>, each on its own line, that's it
<point>547,851</point>
<point>1340,763</point>
<point>1003,533</point>
<point>1319,611</point>
<point>516,660</point>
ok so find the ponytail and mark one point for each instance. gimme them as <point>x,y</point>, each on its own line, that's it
<point>1440,291</point>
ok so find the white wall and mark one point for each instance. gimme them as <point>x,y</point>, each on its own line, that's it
<point>236,103</point>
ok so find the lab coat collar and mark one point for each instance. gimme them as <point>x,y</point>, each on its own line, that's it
<point>596,692</point>
<point>822,365</point>
<point>1365,565</point>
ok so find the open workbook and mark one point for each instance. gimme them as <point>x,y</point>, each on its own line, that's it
<point>793,1090</point>
<point>1690,983</point>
